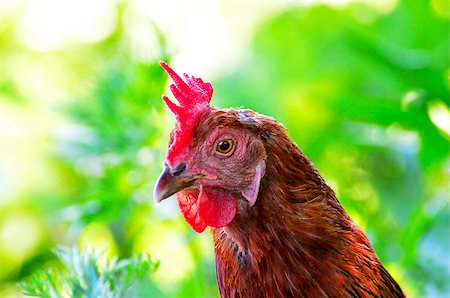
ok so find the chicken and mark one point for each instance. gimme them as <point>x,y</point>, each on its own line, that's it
<point>278,228</point>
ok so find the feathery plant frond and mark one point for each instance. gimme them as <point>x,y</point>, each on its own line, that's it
<point>88,274</point>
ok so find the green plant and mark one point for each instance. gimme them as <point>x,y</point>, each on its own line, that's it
<point>91,274</point>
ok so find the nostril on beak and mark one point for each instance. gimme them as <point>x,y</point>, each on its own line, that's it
<point>179,169</point>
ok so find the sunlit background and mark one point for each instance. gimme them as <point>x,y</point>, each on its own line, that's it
<point>362,86</point>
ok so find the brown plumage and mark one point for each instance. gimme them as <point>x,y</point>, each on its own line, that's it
<point>278,228</point>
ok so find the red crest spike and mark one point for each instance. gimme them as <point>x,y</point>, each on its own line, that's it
<point>193,96</point>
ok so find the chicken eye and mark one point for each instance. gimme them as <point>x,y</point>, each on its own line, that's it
<point>225,146</point>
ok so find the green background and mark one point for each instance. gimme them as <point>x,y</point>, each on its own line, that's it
<point>363,89</point>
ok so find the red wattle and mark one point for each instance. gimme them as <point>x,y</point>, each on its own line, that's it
<point>217,208</point>
<point>211,207</point>
<point>188,202</point>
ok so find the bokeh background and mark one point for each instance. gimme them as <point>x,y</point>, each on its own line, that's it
<point>362,86</point>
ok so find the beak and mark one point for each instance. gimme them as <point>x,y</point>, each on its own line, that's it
<point>168,184</point>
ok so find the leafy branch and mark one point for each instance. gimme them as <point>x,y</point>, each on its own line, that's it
<point>87,275</point>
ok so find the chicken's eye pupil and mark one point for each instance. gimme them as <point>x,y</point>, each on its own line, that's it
<point>225,146</point>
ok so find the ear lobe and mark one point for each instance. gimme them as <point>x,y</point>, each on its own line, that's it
<point>250,193</point>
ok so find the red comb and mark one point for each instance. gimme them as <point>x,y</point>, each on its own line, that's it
<point>193,96</point>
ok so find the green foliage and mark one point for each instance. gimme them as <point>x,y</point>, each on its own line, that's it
<point>86,275</point>
<point>113,125</point>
